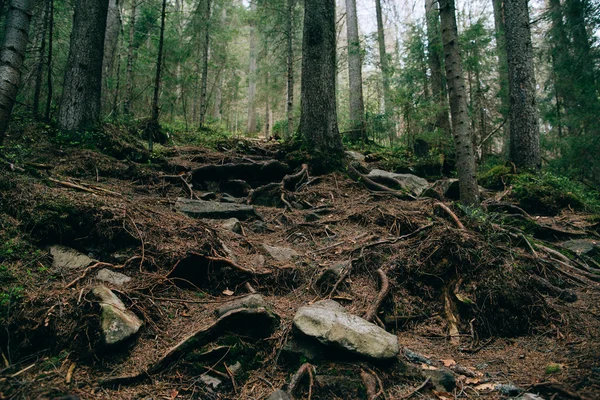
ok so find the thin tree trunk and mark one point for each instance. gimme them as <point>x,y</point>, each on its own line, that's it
<point>157,79</point>
<point>318,119</point>
<point>252,76</point>
<point>465,158</point>
<point>12,55</point>
<point>500,27</point>
<point>40,64</point>
<point>290,70</point>
<point>383,61</point>
<point>115,106</point>
<point>111,41</point>
<point>357,107</point>
<point>267,107</point>
<point>127,106</point>
<point>205,51</point>
<point>49,60</point>
<point>524,129</point>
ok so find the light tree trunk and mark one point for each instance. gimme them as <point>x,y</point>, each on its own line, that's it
<point>80,105</point>
<point>383,61</point>
<point>12,55</point>
<point>524,130</point>
<point>290,70</point>
<point>127,106</point>
<point>357,107</point>
<point>318,119</point>
<point>111,40</point>
<point>39,75</point>
<point>158,77</point>
<point>434,59</point>
<point>252,76</point>
<point>500,27</point>
<point>205,52</point>
<point>463,142</point>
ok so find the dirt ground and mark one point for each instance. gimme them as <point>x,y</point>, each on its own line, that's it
<point>504,290</point>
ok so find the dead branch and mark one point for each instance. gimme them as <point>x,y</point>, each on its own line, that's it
<point>305,368</point>
<point>340,280</point>
<point>231,263</point>
<point>383,292</point>
<point>451,214</point>
<point>416,390</point>
<point>72,185</point>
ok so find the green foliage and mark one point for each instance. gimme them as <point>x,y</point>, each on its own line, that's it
<point>496,177</point>
<point>553,368</point>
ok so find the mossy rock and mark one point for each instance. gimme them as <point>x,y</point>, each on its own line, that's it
<point>544,195</point>
<point>496,178</point>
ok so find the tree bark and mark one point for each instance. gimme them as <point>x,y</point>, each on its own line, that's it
<point>157,78</point>
<point>251,123</point>
<point>39,75</point>
<point>49,60</point>
<point>205,52</point>
<point>500,27</point>
<point>318,119</point>
<point>463,142</point>
<point>524,130</point>
<point>383,61</point>
<point>111,41</point>
<point>434,59</point>
<point>12,55</point>
<point>290,70</point>
<point>82,88</point>
<point>127,106</point>
<point>357,107</point>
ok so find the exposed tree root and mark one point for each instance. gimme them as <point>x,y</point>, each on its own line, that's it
<point>289,182</point>
<point>451,214</point>
<point>383,292</point>
<point>377,187</point>
<point>417,389</point>
<point>304,369</point>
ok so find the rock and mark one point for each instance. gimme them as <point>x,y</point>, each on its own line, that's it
<point>259,227</point>
<point>582,246</point>
<point>251,301</point>
<point>233,225</point>
<point>214,209</point>
<point>529,396</point>
<point>118,323</point>
<point>355,156</point>
<point>330,276</point>
<point>416,357</point>
<point>227,198</point>
<point>443,379</point>
<point>208,196</point>
<point>114,277</point>
<point>408,182</point>
<point>67,258</point>
<point>444,188</point>
<point>279,395</point>
<point>330,323</point>
<point>508,389</point>
<point>235,368</point>
<point>297,349</point>
<point>281,254</point>
<point>311,217</point>
<point>210,381</point>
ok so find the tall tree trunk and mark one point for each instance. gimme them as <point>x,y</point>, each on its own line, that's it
<point>157,78</point>
<point>383,61</point>
<point>12,55</point>
<point>252,76</point>
<point>49,60</point>
<point>500,27</point>
<point>463,142</point>
<point>524,129</point>
<point>127,106</point>
<point>434,59</point>
<point>318,119</point>
<point>290,70</point>
<point>111,41</point>
<point>205,52</point>
<point>357,107</point>
<point>39,75</point>
<point>267,107</point>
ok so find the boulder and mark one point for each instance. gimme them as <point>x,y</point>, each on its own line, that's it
<point>330,323</point>
<point>410,183</point>
<point>355,156</point>
<point>66,258</point>
<point>582,246</point>
<point>214,209</point>
<point>113,277</point>
<point>443,189</point>
<point>281,254</point>
<point>118,323</point>
<point>233,225</point>
<point>250,301</point>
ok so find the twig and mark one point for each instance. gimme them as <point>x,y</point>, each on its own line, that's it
<point>88,269</point>
<point>72,185</point>
<point>23,370</point>
<point>250,288</point>
<point>459,224</point>
<point>415,391</point>
<point>70,373</point>
<point>383,292</point>
<point>340,280</point>
<point>230,373</point>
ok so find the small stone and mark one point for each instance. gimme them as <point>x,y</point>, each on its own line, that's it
<point>582,246</point>
<point>210,381</point>
<point>354,155</point>
<point>279,395</point>
<point>250,301</point>
<point>116,278</point>
<point>233,225</point>
<point>259,227</point>
<point>281,254</point>
<point>443,379</point>
<point>508,389</point>
<point>67,258</point>
<point>311,217</point>
<point>118,323</point>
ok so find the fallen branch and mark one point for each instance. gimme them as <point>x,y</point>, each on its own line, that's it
<point>340,280</point>
<point>383,292</point>
<point>444,208</point>
<point>72,185</point>
<point>231,263</point>
<point>416,390</point>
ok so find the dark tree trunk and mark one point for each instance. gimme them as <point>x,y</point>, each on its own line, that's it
<point>500,27</point>
<point>524,129</point>
<point>157,78</point>
<point>383,61</point>
<point>82,90</point>
<point>357,107</point>
<point>39,75</point>
<point>290,70</point>
<point>12,55</point>
<point>251,122</point>
<point>463,139</point>
<point>49,60</point>
<point>111,41</point>
<point>205,52</point>
<point>127,106</point>
<point>318,119</point>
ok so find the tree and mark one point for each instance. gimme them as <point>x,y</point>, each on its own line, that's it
<point>290,69</point>
<point>81,99</point>
<point>524,130</point>
<point>12,55</point>
<point>205,52</point>
<point>157,78</point>
<point>318,118</point>
<point>127,106</point>
<point>383,61</point>
<point>357,107</point>
<point>463,142</point>
<point>500,27</point>
<point>251,128</point>
<point>40,62</point>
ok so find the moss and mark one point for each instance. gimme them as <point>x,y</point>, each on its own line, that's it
<point>553,369</point>
<point>496,178</point>
<point>546,194</point>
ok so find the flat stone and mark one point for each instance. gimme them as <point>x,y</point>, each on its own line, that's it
<point>259,227</point>
<point>408,182</point>
<point>281,254</point>
<point>114,277</point>
<point>279,395</point>
<point>582,246</point>
<point>330,323</point>
<point>444,188</point>
<point>67,258</point>
<point>118,323</point>
<point>214,209</point>
<point>354,155</point>
<point>210,381</point>
<point>250,301</point>
<point>233,225</point>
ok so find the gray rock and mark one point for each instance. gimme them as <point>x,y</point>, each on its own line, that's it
<point>235,368</point>
<point>114,277</point>
<point>214,209</point>
<point>208,196</point>
<point>354,155</point>
<point>281,254</point>
<point>408,182</point>
<point>210,381</point>
<point>279,395</point>
<point>330,323</point>
<point>330,276</point>
<point>250,301</point>
<point>259,227</point>
<point>227,198</point>
<point>443,379</point>
<point>416,357</point>
<point>118,323</point>
<point>66,258</point>
<point>530,396</point>
<point>444,188</point>
<point>233,225</point>
<point>508,389</point>
<point>582,246</point>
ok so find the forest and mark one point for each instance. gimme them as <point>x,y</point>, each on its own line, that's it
<point>287,199</point>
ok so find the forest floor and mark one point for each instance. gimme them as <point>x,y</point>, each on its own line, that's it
<point>490,300</point>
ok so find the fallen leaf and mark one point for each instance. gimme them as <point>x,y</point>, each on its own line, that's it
<point>428,367</point>
<point>443,395</point>
<point>448,362</point>
<point>472,381</point>
<point>227,292</point>
<point>485,387</point>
